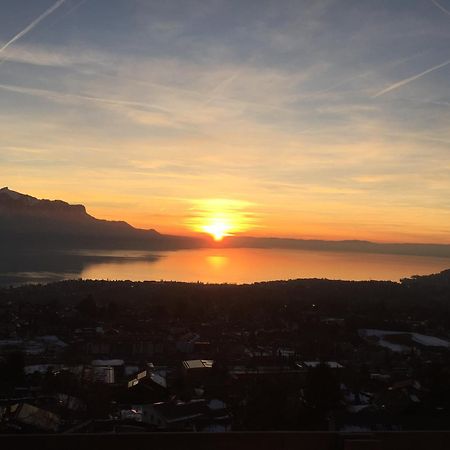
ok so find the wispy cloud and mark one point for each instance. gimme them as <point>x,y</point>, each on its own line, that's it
<point>29,27</point>
<point>222,86</point>
<point>269,105</point>
<point>405,81</point>
<point>59,57</point>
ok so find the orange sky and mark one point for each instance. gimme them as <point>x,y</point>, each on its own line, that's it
<point>309,121</point>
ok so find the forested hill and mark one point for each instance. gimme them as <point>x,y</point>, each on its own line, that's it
<point>417,298</point>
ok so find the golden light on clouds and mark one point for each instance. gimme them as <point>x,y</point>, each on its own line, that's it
<point>139,128</point>
<point>221,217</point>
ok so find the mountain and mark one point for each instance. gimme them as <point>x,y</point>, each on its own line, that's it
<point>353,246</point>
<point>27,221</point>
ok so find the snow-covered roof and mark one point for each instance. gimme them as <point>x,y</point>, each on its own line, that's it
<point>422,339</point>
<point>356,408</point>
<point>216,404</point>
<point>332,364</point>
<point>107,362</point>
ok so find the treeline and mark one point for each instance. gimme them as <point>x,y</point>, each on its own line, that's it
<point>419,298</point>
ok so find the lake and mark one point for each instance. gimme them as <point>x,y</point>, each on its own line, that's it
<point>233,265</point>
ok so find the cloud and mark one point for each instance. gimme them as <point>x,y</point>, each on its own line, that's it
<point>29,27</point>
<point>250,106</point>
<point>59,57</point>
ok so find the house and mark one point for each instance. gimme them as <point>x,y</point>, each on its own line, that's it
<point>70,402</point>
<point>200,415</point>
<point>186,343</point>
<point>146,387</point>
<point>401,396</point>
<point>107,370</point>
<point>220,417</point>
<point>259,370</point>
<point>34,418</point>
<point>313,364</point>
<point>197,370</point>
<point>176,415</point>
<point>197,364</point>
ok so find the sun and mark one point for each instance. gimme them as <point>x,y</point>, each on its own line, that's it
<point>220,217</point>
<point>218,228</point>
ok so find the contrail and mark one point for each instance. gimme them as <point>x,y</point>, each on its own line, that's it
<point>220,87</point>
<point>409,79</point>
<point>71,10</point>
<point>438,5</point>
<point>35,22</point>
<point>61,96</point>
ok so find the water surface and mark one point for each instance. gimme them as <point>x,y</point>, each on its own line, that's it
<point>214,265</point>
<point>250,265</point>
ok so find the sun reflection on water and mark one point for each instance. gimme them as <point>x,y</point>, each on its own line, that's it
<point>218,262</point>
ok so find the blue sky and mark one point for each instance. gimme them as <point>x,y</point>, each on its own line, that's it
<point>317,118</point>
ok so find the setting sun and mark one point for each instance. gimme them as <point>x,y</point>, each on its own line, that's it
<point>221,217</point>
<point>218,228</point>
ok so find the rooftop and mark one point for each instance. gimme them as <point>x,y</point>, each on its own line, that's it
<point>198,364</point>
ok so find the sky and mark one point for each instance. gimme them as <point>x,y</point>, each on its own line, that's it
<point>312,119</point>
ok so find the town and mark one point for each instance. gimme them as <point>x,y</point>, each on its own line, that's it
<point>119,356</point>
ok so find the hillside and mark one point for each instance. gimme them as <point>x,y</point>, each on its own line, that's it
<point>27,221</point>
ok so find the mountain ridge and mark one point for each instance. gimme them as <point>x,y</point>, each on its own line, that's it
<point>55,224</point>
<point>26,220</point>
<point>18,203</point>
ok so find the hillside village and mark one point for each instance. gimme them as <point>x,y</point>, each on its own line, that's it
<point>99,356</point>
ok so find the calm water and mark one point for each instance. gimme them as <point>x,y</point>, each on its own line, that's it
<point>215,266</point>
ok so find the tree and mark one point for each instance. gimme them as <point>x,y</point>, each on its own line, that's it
<point>322,388</point>
<point>87,307</point>
<point>12,368</point>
